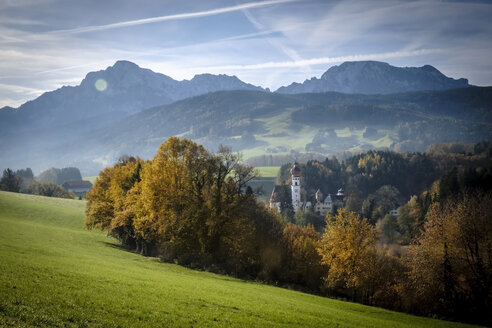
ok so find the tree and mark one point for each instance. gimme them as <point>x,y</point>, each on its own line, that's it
<point>48,189</point>
<point>448,185</point>
<point>303,260</point>
<point>451,264</point>
<point>285,199</point>
<point>25,173</point>
<point>353,202</point>
<point>387,197</point>
<point>59,176</point>
<point>388,227</point>
<point>192,201</point>
<point>411,216</point>
<point>10,181</point>
<point>368,207</point>
<point>99,211</point>
<point>27,177</point>
<point>348,250</point>
<point>309,217</point>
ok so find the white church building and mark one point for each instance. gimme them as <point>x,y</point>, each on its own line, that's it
<point>322,205</point>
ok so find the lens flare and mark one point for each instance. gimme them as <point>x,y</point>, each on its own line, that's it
<point>101,85</point>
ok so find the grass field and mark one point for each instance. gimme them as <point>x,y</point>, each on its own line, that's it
<point>53,273</point>
<point>92,179</point>
<point>284,134</point>
<point>268,171</point>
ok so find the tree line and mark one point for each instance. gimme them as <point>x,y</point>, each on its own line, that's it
<point>47,184</point>
<point>193,207</point>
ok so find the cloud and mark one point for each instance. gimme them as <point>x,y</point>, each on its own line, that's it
<point>205,13</point>
<point>328,60</point>
<point>20,89</point>
<point>91,64</point>
<point>22,3</point>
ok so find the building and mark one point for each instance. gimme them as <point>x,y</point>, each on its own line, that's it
<point>77,186</point>
<point>275,198</point>
<point>295,187</point>
<point>322,205</point>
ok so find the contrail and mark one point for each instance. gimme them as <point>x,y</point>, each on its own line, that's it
<point>211,12</point>
<point>327,60</point>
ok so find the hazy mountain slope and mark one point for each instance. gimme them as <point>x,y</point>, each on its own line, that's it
<point>30,132</point>
<point>260,123</point>
<point>270,123</point>
<point>124,89</point>
<point>372,77</point>
<point>89,128</point>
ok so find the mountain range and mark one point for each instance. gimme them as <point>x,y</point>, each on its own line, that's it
<point>126,109</point>
<point>372,77</point>
<point>126,89</point>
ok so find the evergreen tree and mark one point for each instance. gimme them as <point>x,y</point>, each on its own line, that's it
<point>10,181</point>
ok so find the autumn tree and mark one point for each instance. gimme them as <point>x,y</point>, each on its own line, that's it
<point>451,263</point>
<point>99,210</point>
<point>303,260</point>
<point>348,249</point>
<point>111,201</point>
<point>192,202</point>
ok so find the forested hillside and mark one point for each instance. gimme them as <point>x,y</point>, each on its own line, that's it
<point>260,123</point>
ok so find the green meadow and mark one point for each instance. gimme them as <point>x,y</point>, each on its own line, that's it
<point>268,171</point>
<point>92,179</point>
<point>53,273</point>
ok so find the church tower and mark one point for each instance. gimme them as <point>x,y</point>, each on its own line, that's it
<point>296,186</point>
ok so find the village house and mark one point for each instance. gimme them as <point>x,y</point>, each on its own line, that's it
<point>77,186</point>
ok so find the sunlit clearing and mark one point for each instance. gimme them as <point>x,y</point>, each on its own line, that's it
<point>101,85</point>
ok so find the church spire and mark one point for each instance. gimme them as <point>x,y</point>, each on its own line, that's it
<point>296,186</point>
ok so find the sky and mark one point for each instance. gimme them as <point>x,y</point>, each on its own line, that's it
<point>46,44</point>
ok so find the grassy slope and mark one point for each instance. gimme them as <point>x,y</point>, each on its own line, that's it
<point>268,171</point>
<point>266,181</point>
<point>54,273</point>
<point>283,132</point>
<point>92,179</point>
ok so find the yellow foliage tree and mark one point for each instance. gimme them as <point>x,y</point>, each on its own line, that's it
<point>100,207</point>
<point>109,206</point>
<point>192,201</point>
<point>451,263</point>
<point>348,250</point>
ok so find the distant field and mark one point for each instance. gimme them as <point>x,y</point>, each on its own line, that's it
<point>91,179</point>
<point>53,273</point>
<point>283,135</point>
<point>268,171</point>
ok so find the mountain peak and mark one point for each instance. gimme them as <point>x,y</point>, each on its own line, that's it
<point>206,82</point>
<point>111,94</point>
<point>7,108</point>
<point>374,77</point>
<point>208,76</point>
<point>125,64</point>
